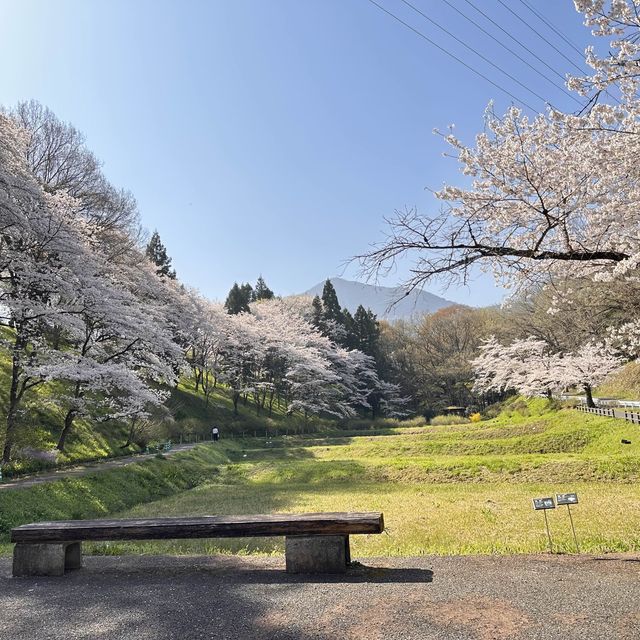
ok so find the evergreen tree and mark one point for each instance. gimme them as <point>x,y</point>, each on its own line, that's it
<point>247,294</point>
<point>262,291</point>
<point>238,299</point>
<point>157,253</point>
<point>330,304</point>
<point>366,331</point>
<point>350,341</point>
<point>317,313</point>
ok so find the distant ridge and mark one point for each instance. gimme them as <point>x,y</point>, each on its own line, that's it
<point>378,299</point>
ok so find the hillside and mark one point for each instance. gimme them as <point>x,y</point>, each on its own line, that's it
<point>193,418</point>
<point>379,299</point>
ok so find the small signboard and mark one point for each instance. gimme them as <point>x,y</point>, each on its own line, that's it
<point>567,498</point>
<point>543,503</point>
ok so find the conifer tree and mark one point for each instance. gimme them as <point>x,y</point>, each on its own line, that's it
<point>157,253</point>
<point>350,341</point>
<point>365,331</point>
<point>238,299</point>
<point>317,313</point>
<point>330,304</point>
<point>262,291</point>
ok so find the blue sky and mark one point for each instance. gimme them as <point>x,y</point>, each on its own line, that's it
<point>273,136</point>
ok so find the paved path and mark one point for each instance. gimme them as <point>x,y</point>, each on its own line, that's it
<point>231,598</point>
<point>84,469</point>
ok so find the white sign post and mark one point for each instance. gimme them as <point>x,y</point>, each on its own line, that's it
<point>569,499</point>
<point>542,504</point>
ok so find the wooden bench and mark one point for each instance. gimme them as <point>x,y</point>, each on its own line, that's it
<point>314,542</point>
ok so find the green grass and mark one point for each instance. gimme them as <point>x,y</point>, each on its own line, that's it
<point>625,384</point>
<point>104,492</point>
<point>451,518</point>
<point>447,489</point>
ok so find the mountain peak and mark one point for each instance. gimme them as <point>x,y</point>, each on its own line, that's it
<point>408,304</point>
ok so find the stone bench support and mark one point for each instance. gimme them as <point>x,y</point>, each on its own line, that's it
<point>317,554</point>
<point>51,559</point>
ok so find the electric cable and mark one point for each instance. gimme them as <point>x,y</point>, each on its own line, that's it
<point>451,55</point>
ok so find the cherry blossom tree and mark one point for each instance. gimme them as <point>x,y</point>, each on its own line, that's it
<point>77,312</point>
<point>588,367</point>
<point>527,366</point>
<point>549,196</point>
<point>531,367</point>
<point>41,252</point>
<point>125,349</point>
<point>545,199</point>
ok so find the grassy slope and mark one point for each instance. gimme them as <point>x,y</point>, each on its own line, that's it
<point>103,493</point>
<point>457,489</point>
<point>624,385</point>
<point>42,422</point>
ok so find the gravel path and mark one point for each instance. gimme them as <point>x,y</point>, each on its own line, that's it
<point>427,598</point>
<point>84,469</point>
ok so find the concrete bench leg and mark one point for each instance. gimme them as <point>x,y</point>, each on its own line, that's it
<point>317,554</point>
<point>46,559</point>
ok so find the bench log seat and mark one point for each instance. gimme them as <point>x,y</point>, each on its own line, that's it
<point>314,542</point>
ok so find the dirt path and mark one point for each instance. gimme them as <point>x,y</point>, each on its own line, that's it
<point>232,598</point>
<point>84,469</point>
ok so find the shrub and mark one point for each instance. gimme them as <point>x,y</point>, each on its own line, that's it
<point>448,420</point>
<point>475,417</point>
<point>417,421</point>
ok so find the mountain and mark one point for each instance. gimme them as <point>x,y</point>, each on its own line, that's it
<point>351,294</point>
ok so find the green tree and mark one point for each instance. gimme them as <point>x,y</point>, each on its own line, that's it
<point>157,253</point>
<point>239,298</point>
<point>262,291</point>
<point>349,341</point>
<point>365,332</point>
<point>330,304</point>
<point>317,314</point>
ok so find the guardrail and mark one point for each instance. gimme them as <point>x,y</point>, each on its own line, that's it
<point>603,402</point>
<point>628,416</point>
<point>598,411</point>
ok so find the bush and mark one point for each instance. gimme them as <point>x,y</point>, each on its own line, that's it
<point>417,421</point>
<point>475,417</point>
<point>449,420</point>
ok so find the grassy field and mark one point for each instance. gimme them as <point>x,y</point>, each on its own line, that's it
<point>456,489</point>
<point>446,490</point>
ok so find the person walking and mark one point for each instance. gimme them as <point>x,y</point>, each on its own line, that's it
<point>215,434</point>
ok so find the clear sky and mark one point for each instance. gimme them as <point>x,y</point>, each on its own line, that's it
<point>272,136</point>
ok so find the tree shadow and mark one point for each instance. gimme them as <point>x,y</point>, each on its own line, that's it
<point>245,571</point>
<point>189,598</point>
<point>614,559</point>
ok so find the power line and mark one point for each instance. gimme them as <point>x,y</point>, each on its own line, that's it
<point>543,19</point>
<point>512,52</point>
<point>510,10</point>
<point>549,43</point>
<point>535,55</point>
<point>451,55</point>
<point>470,48</point>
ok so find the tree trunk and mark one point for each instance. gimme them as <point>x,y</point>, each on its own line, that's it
<point>68,425</point>
<point>256,400</point>
<point>11,428</point>
<point>589,396</point>
<point>198,376</point>
<point>131,433</point>
<point>236,397</point>
<point>271,404</point>
<point>14,396</point>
